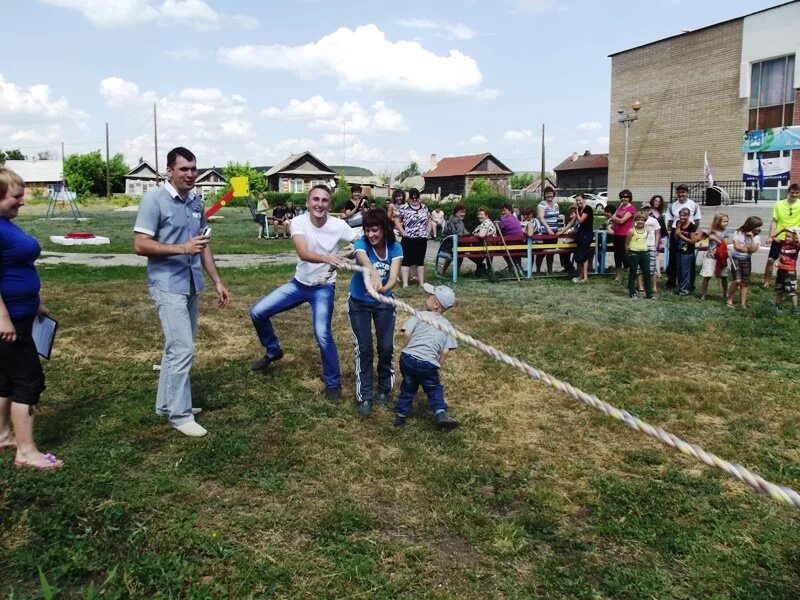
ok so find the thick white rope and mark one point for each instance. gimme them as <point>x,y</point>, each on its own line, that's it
<point>783,495</point>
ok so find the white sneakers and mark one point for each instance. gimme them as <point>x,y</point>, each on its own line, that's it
<point>196,410</point>
<point>192,429</point>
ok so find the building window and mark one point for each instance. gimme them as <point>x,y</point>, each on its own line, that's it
<point>772,93</point>
<point>297,186</point>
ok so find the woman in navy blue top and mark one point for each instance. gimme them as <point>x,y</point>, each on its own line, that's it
<point>21,375</point>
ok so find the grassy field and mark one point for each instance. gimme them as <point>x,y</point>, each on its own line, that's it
<point>233,234</point>
<point>290,496</point>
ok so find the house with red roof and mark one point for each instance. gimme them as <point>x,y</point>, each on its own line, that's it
<point>582,173</point>
<point>455,174</point>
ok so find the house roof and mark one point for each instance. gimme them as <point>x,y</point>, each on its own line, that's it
<point>536,184</point>
<point>204,173</point>
<point>36,171</point>
<point>584,161</point>
<point>455,166</point>
<point>146,165</point>
<point>702,28</point>
<point>284,164</point>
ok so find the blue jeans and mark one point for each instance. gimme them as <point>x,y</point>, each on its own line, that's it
<point>287,297</point>
<point>362,315</point>
<point>417,373</point>
<point>178,315</point>
<point>685,263</point>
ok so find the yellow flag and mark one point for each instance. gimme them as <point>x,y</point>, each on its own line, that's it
<point>240,186</point>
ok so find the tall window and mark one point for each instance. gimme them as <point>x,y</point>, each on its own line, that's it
<point>297,186</point>
<point>772,93</point>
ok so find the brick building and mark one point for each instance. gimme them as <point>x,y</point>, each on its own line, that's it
<point>701,91</point>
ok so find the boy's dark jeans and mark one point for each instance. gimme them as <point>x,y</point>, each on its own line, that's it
<point>362,316</point>
<point>417,373</point>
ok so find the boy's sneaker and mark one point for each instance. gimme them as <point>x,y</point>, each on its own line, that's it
<point>399,421</point>
<point>795,311</point>
<point>364,408</point>
<point>266,360</point>
<point>445,421</point>
<point>633,296</point>
<point>384,399</point>
<point>778,308</point>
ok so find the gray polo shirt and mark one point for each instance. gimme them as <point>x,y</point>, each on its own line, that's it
<point>171,220</point>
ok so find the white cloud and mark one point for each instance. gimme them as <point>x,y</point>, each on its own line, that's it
<point>603,140</point>
<point>533,6</point>
<point>452,30</point>
<point>330,116</point>
<point>478,140</point>
<point>364,59</point>
<point>183,53</point>
<point>514,135</point>
<point>34,103</point>
<point>590,126</point>
<point>327,148</point>
<point>118,92</point>
<point>126,13</point>
<point>202,118</point>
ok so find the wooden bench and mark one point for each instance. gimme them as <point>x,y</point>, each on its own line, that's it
<point>491,247</point>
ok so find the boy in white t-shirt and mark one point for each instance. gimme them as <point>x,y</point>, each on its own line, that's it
<point>316,236</point>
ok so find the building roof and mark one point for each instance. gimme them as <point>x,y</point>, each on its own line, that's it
<point>36,171</point>
<point>459,166</point>
<point>583,161</point>
<point>284,164</point>
<point>537,183</point>
<point>702,28</point>
<point>144,165</point>
<point>207,172</point>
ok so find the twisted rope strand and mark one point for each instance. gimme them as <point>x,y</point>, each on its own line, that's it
<point>781,494</point>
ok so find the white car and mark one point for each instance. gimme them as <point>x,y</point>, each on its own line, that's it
<point>593,201</point>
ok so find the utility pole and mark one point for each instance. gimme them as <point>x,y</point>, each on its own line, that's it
<point>108,167</point>
<point>627,119</point>
<point>541,180</point>
<point>155,139</point>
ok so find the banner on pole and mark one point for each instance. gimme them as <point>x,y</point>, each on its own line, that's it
<point>772,140</point>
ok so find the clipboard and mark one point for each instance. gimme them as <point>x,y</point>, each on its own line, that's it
<point>44,334</point>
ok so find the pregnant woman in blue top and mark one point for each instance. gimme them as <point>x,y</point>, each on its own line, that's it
<point>381,254</point>
<point>21,376</point>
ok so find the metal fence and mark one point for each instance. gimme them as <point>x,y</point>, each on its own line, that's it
<point>735,189</point>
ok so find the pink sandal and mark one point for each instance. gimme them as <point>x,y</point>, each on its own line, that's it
<point>46,463</point>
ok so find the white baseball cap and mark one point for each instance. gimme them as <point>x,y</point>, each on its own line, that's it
<point>445,296</point>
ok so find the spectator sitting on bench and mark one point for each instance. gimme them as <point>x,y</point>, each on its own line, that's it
<point>484,229</point>
<point>510,227</point>
<point>453,226</point>
<point>279,219</point>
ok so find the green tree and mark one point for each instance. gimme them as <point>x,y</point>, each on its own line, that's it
<point>86,174</point>
<point>521,180</point>
<point>480,187</point>
<point>411,170</point>
<point>15,154</point>
<point>256,179</point>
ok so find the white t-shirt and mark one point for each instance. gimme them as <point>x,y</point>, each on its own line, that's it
<point>652,225</point>
<point>320,240</point>
<point>675,208</point>
<point>742,238</point>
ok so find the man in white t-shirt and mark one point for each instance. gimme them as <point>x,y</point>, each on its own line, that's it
<point>683,201</point>
<point>316,236</point>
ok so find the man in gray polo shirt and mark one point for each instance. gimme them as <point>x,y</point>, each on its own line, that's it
<point>168,231</point>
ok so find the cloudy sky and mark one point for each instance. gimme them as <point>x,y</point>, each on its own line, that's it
<point>375,84</point>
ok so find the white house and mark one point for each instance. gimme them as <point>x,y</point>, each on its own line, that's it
<point>40,176</point>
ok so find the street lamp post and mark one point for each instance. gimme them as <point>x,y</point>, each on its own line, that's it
<point>626,119</point>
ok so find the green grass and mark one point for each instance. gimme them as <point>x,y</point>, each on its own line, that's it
<point>233,234</point>
<point>293,497</point>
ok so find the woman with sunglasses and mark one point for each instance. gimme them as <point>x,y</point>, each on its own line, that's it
<point>621,224</point>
